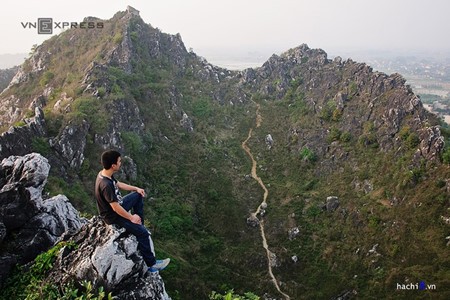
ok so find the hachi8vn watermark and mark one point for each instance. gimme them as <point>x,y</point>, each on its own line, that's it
<point>419,286</point>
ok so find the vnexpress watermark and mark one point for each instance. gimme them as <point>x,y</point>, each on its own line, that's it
<point>420,286</point>
<point>46,25</point>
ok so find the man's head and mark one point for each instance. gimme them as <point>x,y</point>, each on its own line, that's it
<point>111,159</point>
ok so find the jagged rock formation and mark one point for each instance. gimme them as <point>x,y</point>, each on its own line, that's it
<point>107,256</point>
<point>353,94</point>
<point>29,224</point>
<point>18,140</point>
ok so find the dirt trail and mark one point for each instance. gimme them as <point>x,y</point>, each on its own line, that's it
<point>264,202</point>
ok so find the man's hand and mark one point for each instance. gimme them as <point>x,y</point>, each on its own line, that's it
<point>140,191</point>
<point>124,214</point>
<point>135,219</point>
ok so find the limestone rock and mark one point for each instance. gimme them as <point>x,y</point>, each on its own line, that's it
<point>71,143</point>
<point>29,224</point>
<point>293,233</point>
<point>107,256</point>
<point>269,141</point>
<point>332,203</point>
<point>432,143</point>
<point>18,140</point>
<point>253,221</point>
<point>186,123</point>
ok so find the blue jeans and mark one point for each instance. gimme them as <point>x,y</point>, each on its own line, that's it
<point>134,201</point>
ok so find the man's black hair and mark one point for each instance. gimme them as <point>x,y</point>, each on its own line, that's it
<point>110,158</point>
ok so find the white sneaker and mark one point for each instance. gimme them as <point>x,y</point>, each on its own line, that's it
<point>159,265</point>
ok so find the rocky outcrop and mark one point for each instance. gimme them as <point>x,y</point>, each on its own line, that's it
<point>36,63</point>
<point>431,145</point>
<point>28,223</point>
<point>18,140</point>
<point>348,97</point>
<point>71,142</point>
<point>107,256</point>
<point>332,204</point>
<point>127,119</point>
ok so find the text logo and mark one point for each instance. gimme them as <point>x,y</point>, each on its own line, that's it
<point>422,286</point>
<point>45,26</point>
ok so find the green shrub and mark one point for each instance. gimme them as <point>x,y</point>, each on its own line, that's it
<point>373,222</point>
<point>31,284</point>
<point>352,89</point>
<point>307,154</point>
<point>19,123</point>
<point>118,37</point>
<point>368,138</point>
<point>202,108</point>
<point>346,137</point>
<point>76,192</point>
<point>90,109</point>
<point>337,114</point>
<point>101,91</point>
<point>46,78</point>
<point>28,284</point>
<point>404,132</point>
<point>446,156</point>
<point>412,140</point>
<point>327,111</point>
<point>230,295</point>
<point>133,143</point>
<point>334,135</point>
<point>40,145</point>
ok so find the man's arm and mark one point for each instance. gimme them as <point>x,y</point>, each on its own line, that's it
<point>127,187</point>
<point>123,213</point>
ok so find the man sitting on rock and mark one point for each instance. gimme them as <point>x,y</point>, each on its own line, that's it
<point>113,208</point>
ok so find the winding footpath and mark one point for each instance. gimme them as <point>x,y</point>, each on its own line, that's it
<point>264,202</point>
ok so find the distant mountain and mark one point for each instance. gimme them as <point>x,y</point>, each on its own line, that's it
<point>5,77</point>
<point>352,189</point>
<point>10,60</point>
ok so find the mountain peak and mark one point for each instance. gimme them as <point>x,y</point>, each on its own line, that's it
<point>133,11</point>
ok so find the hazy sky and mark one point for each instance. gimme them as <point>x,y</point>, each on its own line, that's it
<point>229,26</point>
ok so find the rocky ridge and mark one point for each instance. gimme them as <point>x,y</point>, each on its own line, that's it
<point>348,92</point>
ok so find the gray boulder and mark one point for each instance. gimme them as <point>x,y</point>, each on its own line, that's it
<point>332,203</point>
<point>293,233</point>
<point>107,256</point>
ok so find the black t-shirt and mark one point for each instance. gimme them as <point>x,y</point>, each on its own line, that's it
<point>106,191</point>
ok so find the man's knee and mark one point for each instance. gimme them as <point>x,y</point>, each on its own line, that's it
<point>142,231</point>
